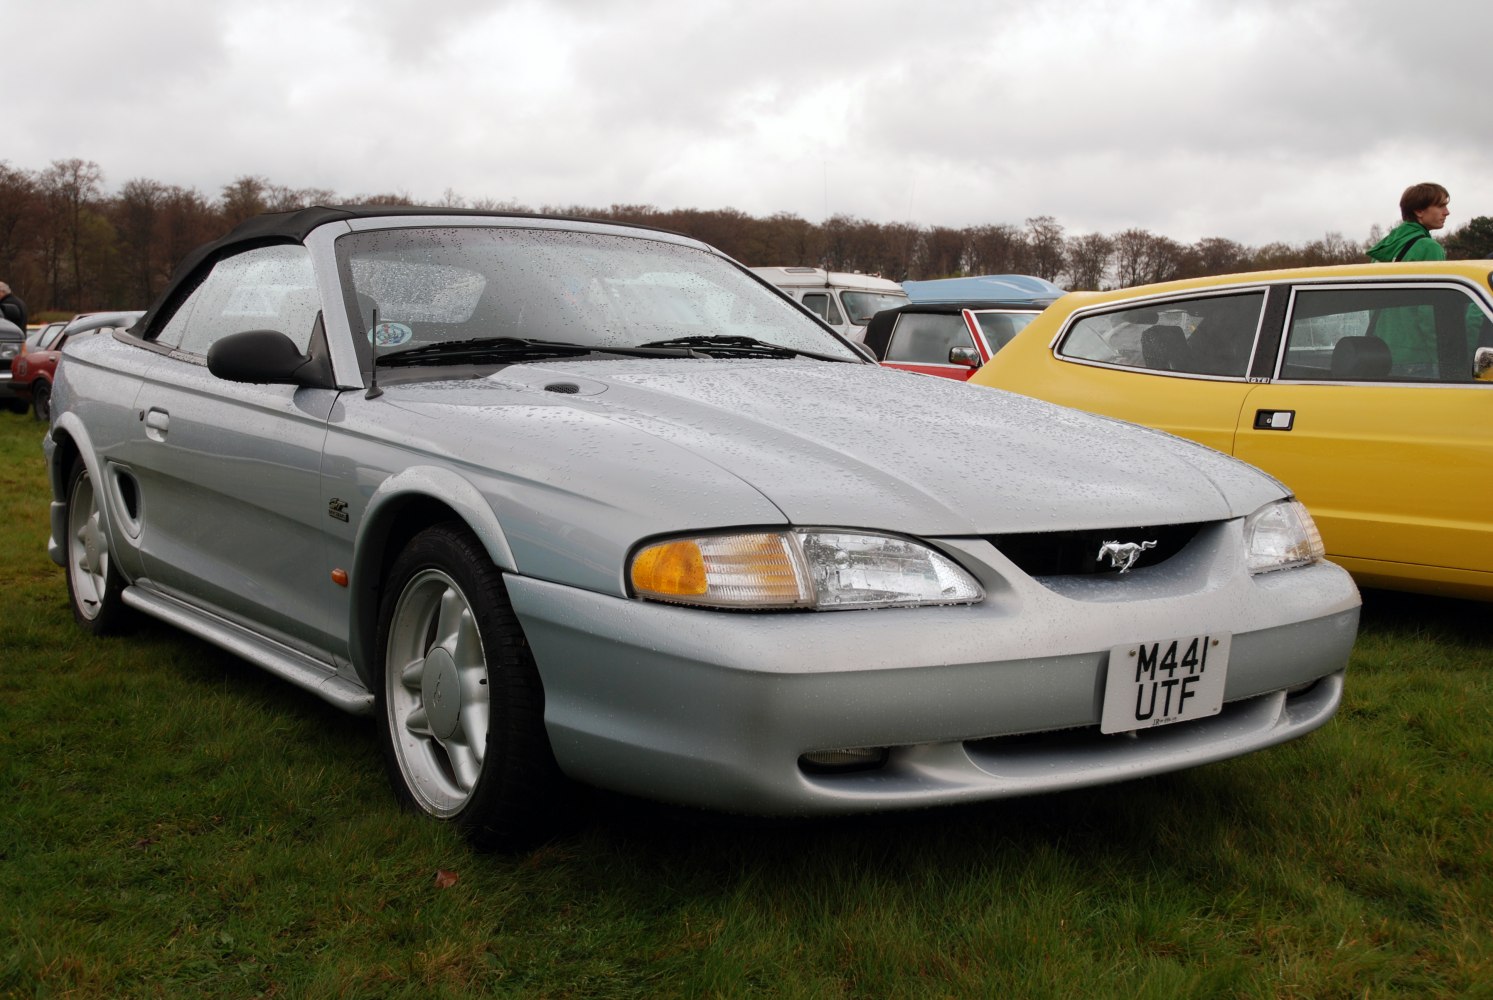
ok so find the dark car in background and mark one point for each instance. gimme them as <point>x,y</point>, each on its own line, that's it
<point>12,338</point>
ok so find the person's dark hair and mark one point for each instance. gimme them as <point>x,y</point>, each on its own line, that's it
<point>1419,197</point>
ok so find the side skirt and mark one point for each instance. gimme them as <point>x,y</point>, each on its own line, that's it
<point>303,671</point>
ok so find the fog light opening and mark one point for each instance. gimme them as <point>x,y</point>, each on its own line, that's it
<point>843,759</point>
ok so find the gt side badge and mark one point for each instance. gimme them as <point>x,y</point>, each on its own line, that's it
<point>1274,420</point>
<point>337,508</point>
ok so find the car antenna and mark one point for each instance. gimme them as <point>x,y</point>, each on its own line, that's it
<point>373,390</point>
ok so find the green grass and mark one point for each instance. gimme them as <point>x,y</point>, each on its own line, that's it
<point>176,823</point>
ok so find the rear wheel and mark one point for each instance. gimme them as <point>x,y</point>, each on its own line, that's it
<point>94,586</point>
<point>41,400</point>
<point>459,700</point>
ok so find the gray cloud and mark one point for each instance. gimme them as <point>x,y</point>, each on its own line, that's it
<point>1191,118</point>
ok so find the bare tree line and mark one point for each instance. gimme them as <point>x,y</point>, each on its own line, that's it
<point>68,245</point>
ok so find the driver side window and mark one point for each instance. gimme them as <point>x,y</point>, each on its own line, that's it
<point>927,338</point>
<point>267,288</point>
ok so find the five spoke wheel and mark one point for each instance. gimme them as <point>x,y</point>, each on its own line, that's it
<point>459,696</point>
<point>93,584</point>
<point>437,692</point>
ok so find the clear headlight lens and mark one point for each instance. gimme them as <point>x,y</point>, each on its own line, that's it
<point>1281,535</point>
<point>800,569</point>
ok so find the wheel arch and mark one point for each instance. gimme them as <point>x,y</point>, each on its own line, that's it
<point>68,442</point>
<point>402,506</point>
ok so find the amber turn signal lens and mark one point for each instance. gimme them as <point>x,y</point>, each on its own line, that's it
<point>671,569</point>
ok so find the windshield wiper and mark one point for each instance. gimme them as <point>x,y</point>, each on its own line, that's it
<point>732,345</point>
<point>512,349</point>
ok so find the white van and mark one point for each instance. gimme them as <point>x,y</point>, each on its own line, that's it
<point>845,301</point>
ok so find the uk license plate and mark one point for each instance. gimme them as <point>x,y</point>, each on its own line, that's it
<point>1164,681</point>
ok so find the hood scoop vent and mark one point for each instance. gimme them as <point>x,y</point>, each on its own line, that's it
<point>546,378</point>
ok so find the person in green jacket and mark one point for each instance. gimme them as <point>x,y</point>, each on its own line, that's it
<point>1423,207</point>
<point>1411,332</point>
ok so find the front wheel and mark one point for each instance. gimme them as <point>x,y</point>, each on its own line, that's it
<point>458,697</point>
<point>94,586</point>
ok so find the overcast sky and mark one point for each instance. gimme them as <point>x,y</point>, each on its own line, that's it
<point>1257,121</point>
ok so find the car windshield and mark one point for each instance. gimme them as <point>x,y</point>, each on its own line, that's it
<point>1000,327</point>
<point>861,306</point>
<point>40,340</point>
<point>451,285</point>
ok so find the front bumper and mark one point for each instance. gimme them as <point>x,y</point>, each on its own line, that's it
<point>991,700</point>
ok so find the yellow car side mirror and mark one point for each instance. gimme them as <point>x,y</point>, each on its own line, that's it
<point>1482,364</point>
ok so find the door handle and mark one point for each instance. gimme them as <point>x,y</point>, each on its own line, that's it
<point>1274,420</point>
<point>157,422</point>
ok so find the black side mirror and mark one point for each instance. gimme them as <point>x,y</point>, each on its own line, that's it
<point>262,357</point>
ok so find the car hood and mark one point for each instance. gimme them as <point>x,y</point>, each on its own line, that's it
<point>870,447</point>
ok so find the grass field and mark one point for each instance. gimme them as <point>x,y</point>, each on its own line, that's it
<point>177,824</point>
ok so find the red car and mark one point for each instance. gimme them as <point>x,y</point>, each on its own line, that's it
<point>948,339</point>
<point>32,372</point>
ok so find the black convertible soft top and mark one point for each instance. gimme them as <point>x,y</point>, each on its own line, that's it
<point>292,227</point>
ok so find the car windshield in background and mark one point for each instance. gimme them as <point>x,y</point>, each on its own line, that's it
<point>472,284</point>
<point>44,338</point>
<point>863,305</point>
<point>1000,327</point>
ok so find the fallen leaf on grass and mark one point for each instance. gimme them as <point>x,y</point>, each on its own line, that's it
<point>444,879</point>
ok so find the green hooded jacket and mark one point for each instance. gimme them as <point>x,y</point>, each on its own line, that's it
<point>1410,331</point>
<point>1412,234</point>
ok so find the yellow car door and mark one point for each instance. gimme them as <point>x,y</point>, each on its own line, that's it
<point>1386,437</point>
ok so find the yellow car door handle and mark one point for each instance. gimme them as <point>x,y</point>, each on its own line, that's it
<point>1274,420</point>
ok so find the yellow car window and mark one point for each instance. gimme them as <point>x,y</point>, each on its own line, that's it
<point>1385,334</point>
<point>1213,335</point>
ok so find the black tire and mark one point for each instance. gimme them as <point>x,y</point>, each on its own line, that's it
<point>41,400</point>
<point>480,759</point>
<point>94,586</point>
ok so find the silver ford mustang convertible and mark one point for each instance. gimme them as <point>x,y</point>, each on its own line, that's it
<point>557,500</point>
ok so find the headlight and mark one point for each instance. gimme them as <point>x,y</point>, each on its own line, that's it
<point>1279,536</point>
<point>800,569</point>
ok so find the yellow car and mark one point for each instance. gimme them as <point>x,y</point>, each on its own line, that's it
<point>1367,389</point>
